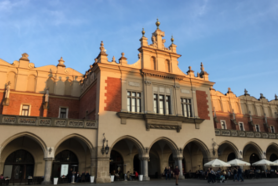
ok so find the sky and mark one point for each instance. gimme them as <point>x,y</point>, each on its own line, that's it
<point>237,40</point>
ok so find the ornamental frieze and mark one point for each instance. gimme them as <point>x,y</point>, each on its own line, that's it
<point>7,119</point>
<point>245,134</point>
<point>27,121</point>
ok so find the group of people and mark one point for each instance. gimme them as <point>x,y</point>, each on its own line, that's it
<point>84,177</point>
<point>222,175</point>
<point>169,173</point>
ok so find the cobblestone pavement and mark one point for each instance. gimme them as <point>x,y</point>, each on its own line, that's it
<point>186,182</point>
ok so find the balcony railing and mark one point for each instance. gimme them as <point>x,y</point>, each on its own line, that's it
<point>46,122</point>
<point>245,134</point>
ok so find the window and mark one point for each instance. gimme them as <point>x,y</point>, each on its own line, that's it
<point>272,129</point>
<point>133,101</point>
<point>257,128</point>
<point>223,124</point>
<point>25,110</point>
<point>63,112</point>
<point>241,126</point>
<point>161,104</point>
<point>186,107</point>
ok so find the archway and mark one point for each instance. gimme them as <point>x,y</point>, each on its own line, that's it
<point>252,153</point>
<point>273,157</point>
<point>130,150</point>
<point>116,163</point>
<point>227,151</point>
<point>253,158</point>
<point>195,154</point>
<point>172,163</point>
<point>63,163</point>
<point>19,165</point>
<point>159,154</point>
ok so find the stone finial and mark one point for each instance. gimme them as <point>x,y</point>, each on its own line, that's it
<point>202,67</point>
<point>102,49</point>
<point>172,39</point>
<point>190,72</point>
<point>246,93</point>
<point>123,54</point>
<point>276,97</point>
<point>143,32</point>
<point>157,23</point>
<point>203,73</point>
<point>261,96</point>
<point>123,59</point>
<point>24,57</point>
<point>229,90</point>
<point>113,59</point>
<point>139,56</point>
<point>61,62</point>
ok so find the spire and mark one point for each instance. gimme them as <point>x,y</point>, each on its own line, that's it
<point>203,73</point>
<point>61,62</point>
<point>157,23</point>
<point>102,56</point>
<point>202,67</point>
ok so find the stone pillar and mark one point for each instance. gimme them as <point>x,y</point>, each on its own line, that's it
<point>47,171</point>
<point>144,161</point>
<point>102,172</point>
<point>179,164</point>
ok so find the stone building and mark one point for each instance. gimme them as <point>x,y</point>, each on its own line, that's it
<point>125,117</point>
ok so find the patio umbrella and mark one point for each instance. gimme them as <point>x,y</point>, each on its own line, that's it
<point>216,163</point>
<point>264,162</point>
<point>237,162</point>
<point>276,161</point>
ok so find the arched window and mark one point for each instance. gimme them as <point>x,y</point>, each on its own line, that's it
<point>31,83</point>
<point>167,66</point>
<point>153,63</point>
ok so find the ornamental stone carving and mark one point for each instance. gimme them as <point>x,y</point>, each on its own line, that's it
<point>7,119</point>
<point>27,121</point>
<point>76,124</point>
<point>134,84</point>
<point>60,123</point>
<point>45,122</point>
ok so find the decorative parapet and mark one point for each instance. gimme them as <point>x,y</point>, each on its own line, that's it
<point>245,134</point>
<point>46,122</point>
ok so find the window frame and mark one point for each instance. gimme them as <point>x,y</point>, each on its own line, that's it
<point>222,125</point>
<point>258,128</point>
<point>59,114</point>
<point>272,127</point>
<point>129,105</point>
<point>165,104</point>
<point>185,103</point>
<point>242,126</point>
<point>21,107</point>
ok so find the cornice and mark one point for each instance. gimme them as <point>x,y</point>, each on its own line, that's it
<point>166,75</point>
<point>156,50</point>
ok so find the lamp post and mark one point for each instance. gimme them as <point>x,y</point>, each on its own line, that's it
<point>104,150</point>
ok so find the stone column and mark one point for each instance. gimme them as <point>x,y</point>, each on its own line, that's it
<point>179,163</point>
<point>144,161</point>
<point>47,171</point>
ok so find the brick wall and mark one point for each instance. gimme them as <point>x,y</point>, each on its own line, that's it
<point>113,94</point>
<point>71,104</point>
<point>16,100</point>
<point>88,103</point>
<point>202,104</point>
<point>1,101</point>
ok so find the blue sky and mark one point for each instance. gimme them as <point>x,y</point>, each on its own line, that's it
<point>237,40</point>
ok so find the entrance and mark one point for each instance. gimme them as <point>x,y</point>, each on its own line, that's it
<point>273,157</point>
<point>116,163</point>
<point>137,164</point>
<point>19,166</point>
<point>64,162</point>
<point>231,156</point>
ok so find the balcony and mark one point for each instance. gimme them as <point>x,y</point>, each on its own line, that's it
<point>245,134</point>
<point>14,120</point>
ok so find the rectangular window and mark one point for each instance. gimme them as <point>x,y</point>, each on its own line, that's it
<point>186,107</point>
<point>241,126</point>
<point>25,110</point>
<point>168,105</point>
<point>155,106</point>
<point>272,129</point>
<point>63,112</point>
<point>223,124</point>
<point>161,104</point>
<point>133,102</point>
<point>257,128</point>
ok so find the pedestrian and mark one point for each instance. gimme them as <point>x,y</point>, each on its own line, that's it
<point>209,175</point>
<point>176,173</point>
<point>239,174</point>
<point>235,173</point>
<point>212,175</point>
<point>169,173</point>
<point>166,172</point>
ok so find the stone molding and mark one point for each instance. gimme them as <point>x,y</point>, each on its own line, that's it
<point>157,121</point>
<point>46,122</point>
<point>245,134</point>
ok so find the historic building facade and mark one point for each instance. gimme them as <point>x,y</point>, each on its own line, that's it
<point>125,117</point>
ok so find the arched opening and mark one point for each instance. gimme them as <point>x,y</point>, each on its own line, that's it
<point>63,163</point>
<point>273,157</point>
<point>116,163</point>
<point>159,155</point>
<point>253,158</point>
<point>172,162</point>
<point>19,165</point>
<point>226,151</point>
<point>272,154</point>
<point>125,157</point>
<point>252,153</point>
<point>195,154</point>
<point>231,156</point>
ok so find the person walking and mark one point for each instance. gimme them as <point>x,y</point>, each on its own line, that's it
<point>176,173</point>
<point>169,172</point>
<point>213,175</point>
<point>209,175</point>
<point>166,172</point>
<point>239,174</point>
<point>235,173</point>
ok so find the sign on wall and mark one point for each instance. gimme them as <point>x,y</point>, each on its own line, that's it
<point>64,169</point>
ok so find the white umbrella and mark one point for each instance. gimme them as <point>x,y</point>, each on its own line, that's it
<point>237,162</point>
<point>276,161</point>
<point>264,162</point>
<point>217,163</point>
